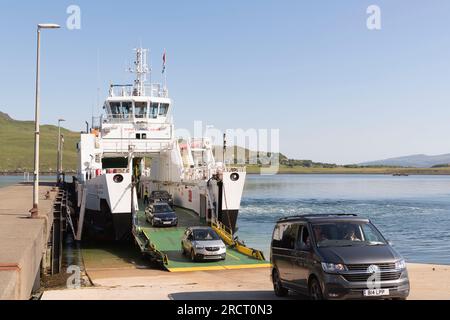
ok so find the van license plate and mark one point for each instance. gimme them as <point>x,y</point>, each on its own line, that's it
<point>376,292</point>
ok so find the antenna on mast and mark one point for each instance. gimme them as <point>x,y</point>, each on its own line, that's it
<point>140,69</point>
<point>164,71</point>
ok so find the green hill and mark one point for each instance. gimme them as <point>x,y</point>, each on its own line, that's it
<point>17,154</point>
<point>17,146</point>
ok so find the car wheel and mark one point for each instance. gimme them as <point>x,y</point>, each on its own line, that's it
<point>193,256</point>
<point>315,291</point>
<point>280,291</point>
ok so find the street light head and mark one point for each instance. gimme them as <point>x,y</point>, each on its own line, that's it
<point>48,26</point>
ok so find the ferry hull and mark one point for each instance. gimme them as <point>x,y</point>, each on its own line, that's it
<point>108,206</point>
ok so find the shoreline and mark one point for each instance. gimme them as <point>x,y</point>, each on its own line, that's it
<point>341,170</point>
<point>305,171</point>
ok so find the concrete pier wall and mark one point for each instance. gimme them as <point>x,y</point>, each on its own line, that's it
<point>23,241</point>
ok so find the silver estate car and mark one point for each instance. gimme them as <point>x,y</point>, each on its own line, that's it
<point>203,243</point>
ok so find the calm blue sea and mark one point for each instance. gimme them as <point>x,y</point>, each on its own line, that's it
<point>413,212</point>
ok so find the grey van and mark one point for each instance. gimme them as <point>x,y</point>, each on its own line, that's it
<point>340,256</point>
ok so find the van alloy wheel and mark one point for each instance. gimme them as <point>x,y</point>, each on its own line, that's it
<point>315,291</point>
<point>280,291</point>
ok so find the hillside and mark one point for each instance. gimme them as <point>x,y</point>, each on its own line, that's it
<point>239,155</point>
<point>17,146</point>
<point>417,161</point>
<point>17,153</point>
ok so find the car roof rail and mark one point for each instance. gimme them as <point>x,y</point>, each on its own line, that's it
<point>317,215</point>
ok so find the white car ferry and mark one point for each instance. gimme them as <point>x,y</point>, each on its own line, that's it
<point>134,145</point>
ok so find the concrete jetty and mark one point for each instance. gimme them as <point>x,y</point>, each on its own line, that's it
<point>121,273</point>
<point>23,241</point>
<point>428,282</point>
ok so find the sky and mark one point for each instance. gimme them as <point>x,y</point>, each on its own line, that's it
<point>337,91</point>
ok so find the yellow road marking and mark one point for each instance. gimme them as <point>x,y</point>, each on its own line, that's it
<point>239,266</point>
<point>248,266</point>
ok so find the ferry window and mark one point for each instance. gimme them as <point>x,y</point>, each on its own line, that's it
<point>154,110</point>
<point>115,109</point>
<point>126,110</point>
<point>140,109</point>
<point>163,108</point>
<point>144,136</point>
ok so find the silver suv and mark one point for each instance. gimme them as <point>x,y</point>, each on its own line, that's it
<point>203,243</point>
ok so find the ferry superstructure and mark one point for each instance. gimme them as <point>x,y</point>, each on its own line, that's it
<point>134,150</point>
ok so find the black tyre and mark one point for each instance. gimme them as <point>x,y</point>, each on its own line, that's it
<point>280,291</point>
<point>315,290</point>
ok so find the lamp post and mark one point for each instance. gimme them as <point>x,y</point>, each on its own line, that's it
<point>34,211</point>
<point>59,160</point>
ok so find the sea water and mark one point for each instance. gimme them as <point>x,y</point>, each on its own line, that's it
<point>412,212</point>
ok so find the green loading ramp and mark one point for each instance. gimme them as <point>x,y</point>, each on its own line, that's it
<point>164,244</point>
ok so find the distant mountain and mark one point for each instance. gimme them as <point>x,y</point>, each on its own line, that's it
<point>17,146</point>
<point>417,161</point>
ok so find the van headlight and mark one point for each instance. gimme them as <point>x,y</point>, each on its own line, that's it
<point>333,267</point>
<point>400,265</point>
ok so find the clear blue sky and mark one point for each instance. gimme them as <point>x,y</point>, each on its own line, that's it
<point>337,91</point>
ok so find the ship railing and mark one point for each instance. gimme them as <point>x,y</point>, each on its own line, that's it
<point>227,236</point>
<point>117,118</point>
<point>131,118</point>
<point>138,146</point>
<point>129,90</point>
<point>93,173</point>
<point>204,172</point>
<point>198,173</point>
<point>234,169</point>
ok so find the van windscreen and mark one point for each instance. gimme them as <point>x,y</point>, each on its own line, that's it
<point>340,234</point>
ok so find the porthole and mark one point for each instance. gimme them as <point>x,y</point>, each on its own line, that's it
<point>118,178</point>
